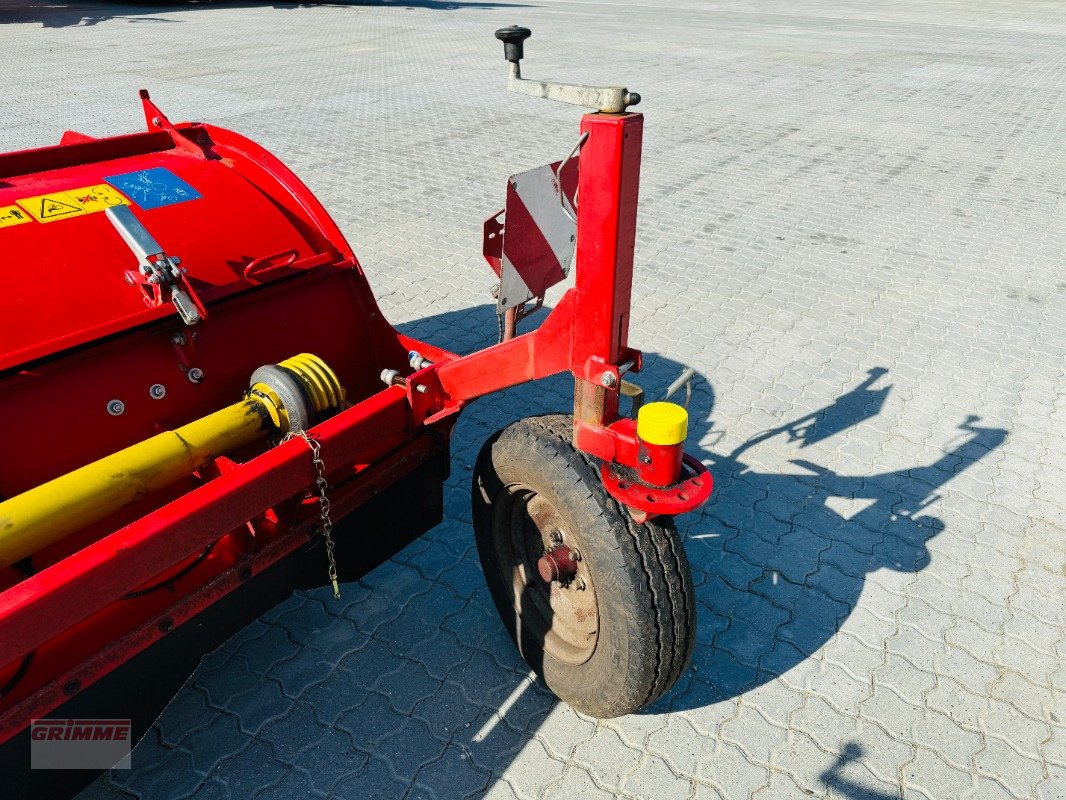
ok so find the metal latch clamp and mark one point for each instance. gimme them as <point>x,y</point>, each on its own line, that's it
<point>159,276</point>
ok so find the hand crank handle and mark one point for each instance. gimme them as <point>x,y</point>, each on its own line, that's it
<point>512,39</point>
<point>608,99</point>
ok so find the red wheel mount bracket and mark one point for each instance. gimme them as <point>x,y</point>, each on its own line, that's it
<point>645,502</point>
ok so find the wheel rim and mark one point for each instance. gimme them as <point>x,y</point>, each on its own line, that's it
<point>562,613</point>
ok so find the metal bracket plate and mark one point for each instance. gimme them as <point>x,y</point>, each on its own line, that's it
<point>539,232</point>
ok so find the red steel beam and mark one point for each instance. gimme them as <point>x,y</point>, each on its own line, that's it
<point>48,603</point>
<point>361,488</point>
<point>537,354</point>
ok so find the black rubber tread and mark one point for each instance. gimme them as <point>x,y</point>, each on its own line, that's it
<point>640,572</point>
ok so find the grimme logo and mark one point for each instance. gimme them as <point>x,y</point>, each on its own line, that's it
<point>80,744</point>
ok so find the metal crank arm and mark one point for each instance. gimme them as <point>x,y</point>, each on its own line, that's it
<point>608,99</point>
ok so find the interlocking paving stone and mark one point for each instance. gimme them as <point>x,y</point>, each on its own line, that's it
<point>188,711</point>
<point>851,225</point>
<point>452,775</point>
<point>373,782</point>
<point>248,772</point>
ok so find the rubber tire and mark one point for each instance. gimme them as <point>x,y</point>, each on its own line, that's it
<point>643,583</point>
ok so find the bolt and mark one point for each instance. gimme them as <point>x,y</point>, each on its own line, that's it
<point>417,360</point>
<point>157,121</point>
<point>71,687</point>
<point>609,380</point>
<point>166,625</point>
<point>115,407</point>
<point>157,391</point>
<point>245,574</point>
<point>195,375</point>
<point>579,584</point>
<point>178,339</point>
<point>421,389</point>
<point>557,537</point>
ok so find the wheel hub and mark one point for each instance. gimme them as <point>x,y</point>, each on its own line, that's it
<point>553,588</point>
<point>558,564</point>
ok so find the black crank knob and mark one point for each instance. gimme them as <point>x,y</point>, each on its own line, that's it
<point>512,39</point>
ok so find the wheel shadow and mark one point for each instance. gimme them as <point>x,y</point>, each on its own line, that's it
<point>85,13</point>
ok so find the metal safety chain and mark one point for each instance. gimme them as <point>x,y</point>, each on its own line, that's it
<point>323,504</point>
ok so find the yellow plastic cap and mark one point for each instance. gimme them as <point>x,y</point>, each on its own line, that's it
<point>662,423</point>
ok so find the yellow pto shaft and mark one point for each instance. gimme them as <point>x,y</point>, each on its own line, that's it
<point>46,514</point>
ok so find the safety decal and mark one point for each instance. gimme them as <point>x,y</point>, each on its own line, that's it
<point>154,188</point>
<point>13,215</point>
<point>71,203</point>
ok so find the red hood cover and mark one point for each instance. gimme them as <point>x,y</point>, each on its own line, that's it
<point>232,213</point>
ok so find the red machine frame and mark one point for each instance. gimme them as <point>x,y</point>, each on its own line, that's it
<point>384,436</point>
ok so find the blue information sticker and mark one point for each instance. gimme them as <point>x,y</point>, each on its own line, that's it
<point>153,188</point>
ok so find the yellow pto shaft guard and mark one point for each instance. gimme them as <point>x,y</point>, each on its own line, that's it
<point>282,396</point>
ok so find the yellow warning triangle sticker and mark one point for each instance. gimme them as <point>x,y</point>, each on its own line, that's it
<point>53,207</point>
<point>71,203</point>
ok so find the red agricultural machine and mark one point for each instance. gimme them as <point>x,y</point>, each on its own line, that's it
<point>209,410</point>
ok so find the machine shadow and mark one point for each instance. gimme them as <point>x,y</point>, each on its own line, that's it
<point>410,684</point>
<point>780,555</point>
<point>76,13</point>
<point>839,784</point>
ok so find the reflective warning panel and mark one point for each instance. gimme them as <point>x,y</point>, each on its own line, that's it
<point>13,215</point>
<point>71,203</point>
<point>153,188</point>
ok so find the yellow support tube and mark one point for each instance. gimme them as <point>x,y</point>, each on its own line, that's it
<point>46,514</point>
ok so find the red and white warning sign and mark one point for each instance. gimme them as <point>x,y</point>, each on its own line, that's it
<point>530,244</point>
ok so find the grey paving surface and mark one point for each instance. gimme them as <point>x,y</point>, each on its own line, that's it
<point>852,224</point>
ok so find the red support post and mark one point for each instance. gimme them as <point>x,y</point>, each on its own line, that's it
<point>588,332</point>
<point>608,184</point>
